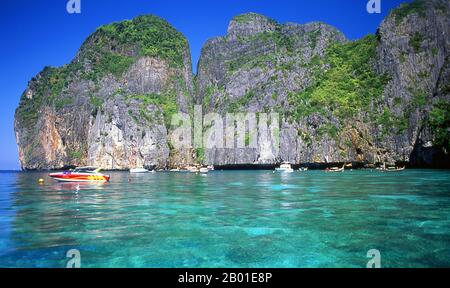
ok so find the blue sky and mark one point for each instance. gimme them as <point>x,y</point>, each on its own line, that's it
<point>41,33</point>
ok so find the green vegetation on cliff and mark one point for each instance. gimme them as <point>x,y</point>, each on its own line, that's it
<point>107,63</point>
<point>347,87</point>
<point>417,6</point>
<point>96,103</point>
<point>167,102</point>
<point>440,124</point>
<point>200,155</point>
<point>251,17</point>
<point>240,104</point>
<point>416,41</point>
<point>112,49</point>
<point>282,43</point>
<point>244,18</point>
<point>46,90</point>
<point>146,36</point>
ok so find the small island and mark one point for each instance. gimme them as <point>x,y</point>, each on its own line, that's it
<point>380,99</point>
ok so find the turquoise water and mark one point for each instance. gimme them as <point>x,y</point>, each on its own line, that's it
<point>228,219</point>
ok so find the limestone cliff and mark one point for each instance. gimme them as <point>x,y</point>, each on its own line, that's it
<point>109,106</point>
<point>255,68</point>
<point>372,100</point>
<point>414,48</point>
<point>383,98</point>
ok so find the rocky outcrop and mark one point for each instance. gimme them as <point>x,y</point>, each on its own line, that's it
<point>260,64</point>
<point>109,106</point>
<point>383,98</point>
<point>414,49</point>
<point>253,69</point>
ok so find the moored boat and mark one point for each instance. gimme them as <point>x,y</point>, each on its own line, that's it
<point>285,168</point>
<point>81,174</point>
<point>393,169</point>
<point>336,169</point>
<point>192,169</point>
<point>138,170</point>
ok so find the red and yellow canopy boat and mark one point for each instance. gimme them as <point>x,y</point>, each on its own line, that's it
<point>82,174</point>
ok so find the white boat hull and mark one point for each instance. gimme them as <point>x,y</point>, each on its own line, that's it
<point>283,170</point>
<point>139,170</point>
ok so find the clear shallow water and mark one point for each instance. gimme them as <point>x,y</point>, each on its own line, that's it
<point>228,219</point>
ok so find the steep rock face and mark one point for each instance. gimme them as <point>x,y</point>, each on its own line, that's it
<point>253,69</point>
<point>383,98</point>
<point>109,106</point>
<point>414,48</point>
<point>368,100</point>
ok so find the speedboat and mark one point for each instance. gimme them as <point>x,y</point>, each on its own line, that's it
<point>204,170</point>
<point>138,170</point>
<point>285,168</point>
<point>82,174</point>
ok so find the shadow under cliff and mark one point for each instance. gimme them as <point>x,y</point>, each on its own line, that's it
<point>424,156</point>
